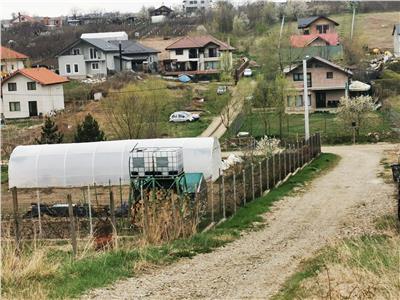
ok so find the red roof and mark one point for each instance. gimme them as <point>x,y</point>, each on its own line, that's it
<point>300,41</point>
<point>6,53</point>
<point>41,75</point>
<point>198,42</point>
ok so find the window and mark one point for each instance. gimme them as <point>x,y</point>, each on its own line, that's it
<point>179,52</point>
<point>212,52</point>
<point>93,53</point>
<point>31,86</point>
<point>76,51</point>
<point>15,106</point>
<point>12,67</point>
<point>306,31</point>
<point>323,28</point>
<point>299,77</point>
<point>299,101</point>
<point>95,66</point>
<point>329,75</point>
<point>76,68</point>
<point>68,68</point>
<point>12,86</point>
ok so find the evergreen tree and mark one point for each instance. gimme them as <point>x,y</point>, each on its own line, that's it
<point>89,131</point>
<point>50,133</point>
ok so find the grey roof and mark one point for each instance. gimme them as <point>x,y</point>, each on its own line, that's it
<point>134,58</point>
<point>290,68</point>
<point>128,46</point>
<point>304,22</point>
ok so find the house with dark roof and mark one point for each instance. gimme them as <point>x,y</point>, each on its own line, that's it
<point>11,61</point>
<point>99,54</point>
<point>197,55</point>
<point>161,11</point>
<point>31,92</point>
<point>327,83</point>
<point>315,31</point>
<point>396,40</point>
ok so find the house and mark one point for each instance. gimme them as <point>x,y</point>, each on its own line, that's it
<point>98,54</point>
<point>161,11</point>
<point>52,22</point>
<point>197,55</point>
<point>315,31</point>
<point>396,40</point>
<point>327,83</point>
<point>193,6</point>
<point>22,19</point>
<point>11,61</point>
<point>32,92</point>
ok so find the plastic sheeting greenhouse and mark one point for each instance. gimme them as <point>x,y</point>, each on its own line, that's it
<point>74,165</point>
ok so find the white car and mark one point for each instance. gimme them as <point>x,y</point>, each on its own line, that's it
<point>247,72</point>
<point>183,116</point>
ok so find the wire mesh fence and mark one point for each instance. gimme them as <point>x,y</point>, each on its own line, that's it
<point>154,214</point>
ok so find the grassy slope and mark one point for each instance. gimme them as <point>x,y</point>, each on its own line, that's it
<point>370,259</point>
<point>72,279</point>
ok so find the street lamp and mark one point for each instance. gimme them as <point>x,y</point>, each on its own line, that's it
<point>305,99</point>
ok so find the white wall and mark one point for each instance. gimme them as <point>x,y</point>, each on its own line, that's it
<point>64,60</point>
<point>48,98</point>
<point>396,41</point>
<point>11,65</point>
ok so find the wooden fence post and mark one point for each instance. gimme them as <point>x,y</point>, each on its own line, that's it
<point>112,212</point>
<point>267,168</point>
<point>290,159</point>
<point>72,225</point>
<point>223,197</point>
<point>90,213</point>
<point>261,183</point>
<point>252,183</point>
<point>234,193</point>
<point>244,187</point>
<point>273,171</point>
<point>39,213</point>
<point>285,160</point>
<point>16,219</point>
<point>145,211</point>
<point>279,166</point>
<point>212,202</point>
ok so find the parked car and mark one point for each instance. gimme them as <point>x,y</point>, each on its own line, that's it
<point>221,90</point>
<point>247,73</point>
<point>183,116</point>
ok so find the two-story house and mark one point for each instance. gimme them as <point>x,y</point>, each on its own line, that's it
<point>327,83</point>
<point>315,31</point>
<point>11,61</point>
<point>196,55</point>
<point>396,40</point>
<point>192,6</point>
<point>98,54</point>
<point>31,92</point>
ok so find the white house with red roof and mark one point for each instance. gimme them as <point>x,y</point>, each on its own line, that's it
<point>32,92</point>
<point>197,55</point>
<point>11,61</point>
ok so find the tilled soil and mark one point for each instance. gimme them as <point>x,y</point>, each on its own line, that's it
<point>339,203</point>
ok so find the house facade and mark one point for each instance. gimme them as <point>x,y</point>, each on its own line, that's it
<point>32,92</point>
<point>327,83</point>
<point>315,31</point>
<point>197,55</point>
<point>98,54</point>
<point>396,40</point>
<point>192,6</point>
<point>11,61</point>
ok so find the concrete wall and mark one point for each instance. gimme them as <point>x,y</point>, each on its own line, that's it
<point>48,98</point>
<point>71,60</point>
<point>396,44</point>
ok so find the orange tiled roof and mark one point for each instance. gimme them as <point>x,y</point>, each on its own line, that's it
<point>300,41</point>
<point>6,53</point>
<point>41,75</point>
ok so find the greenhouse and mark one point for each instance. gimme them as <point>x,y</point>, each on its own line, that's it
<point>82,164</point>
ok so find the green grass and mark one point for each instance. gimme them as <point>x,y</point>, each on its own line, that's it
<point>331,128</point>
<point>375,253</point>
<point>74,278</point>
<point>4,173</point>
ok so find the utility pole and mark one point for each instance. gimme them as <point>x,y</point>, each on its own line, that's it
<point>353,5</point>
<point>305,99</point>
<point>120,56</point>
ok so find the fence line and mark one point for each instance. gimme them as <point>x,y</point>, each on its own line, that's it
<point>181,215</point>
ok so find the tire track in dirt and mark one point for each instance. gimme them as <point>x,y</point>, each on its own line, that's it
<point>257,264</point>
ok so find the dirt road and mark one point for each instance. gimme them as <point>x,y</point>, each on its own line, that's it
<point>339,203</point>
